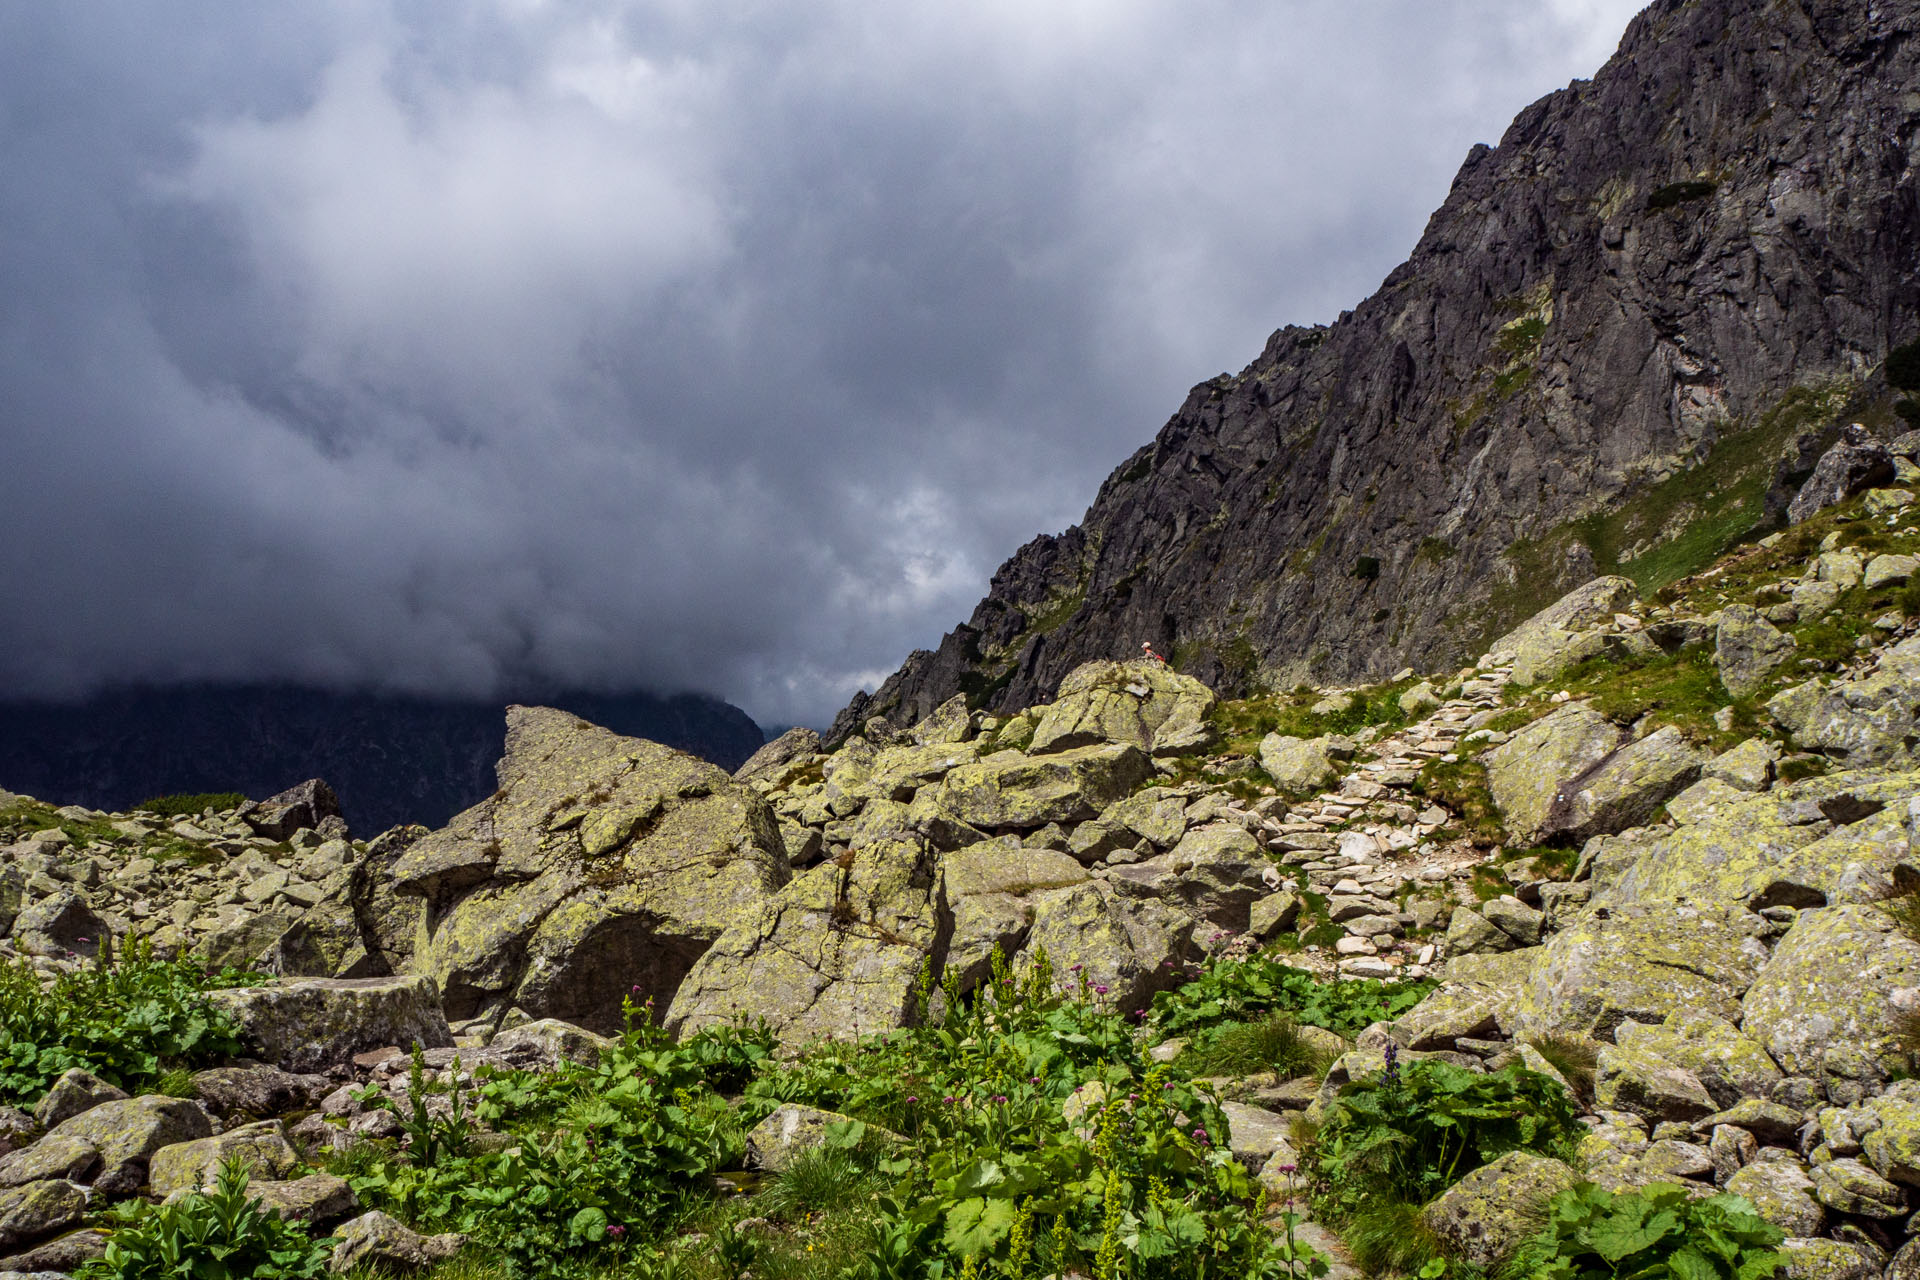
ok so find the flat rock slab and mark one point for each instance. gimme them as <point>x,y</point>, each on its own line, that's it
<point>309,1024</point>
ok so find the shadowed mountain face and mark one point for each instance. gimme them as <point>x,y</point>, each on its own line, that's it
<point>391,759</point>
<point>1614,339</point>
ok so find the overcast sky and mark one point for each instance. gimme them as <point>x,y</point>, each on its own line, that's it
<point>448,346</point>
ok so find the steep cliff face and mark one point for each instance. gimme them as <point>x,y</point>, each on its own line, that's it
<point>1614,336</point>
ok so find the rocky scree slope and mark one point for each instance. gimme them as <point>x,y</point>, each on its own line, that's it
<point>1662,849</point>
<point>1623,326</point>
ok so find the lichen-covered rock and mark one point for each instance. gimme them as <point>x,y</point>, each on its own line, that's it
<point>601,862</point>
<point>1128,948</point>
<point>1777,848</point>
<point>1746,767</point>
<point>987,889</point>
<point>1530,773</point>
<point>1747,648</point>
<point>1584,607</point>
<point>950,722</point>
<point>1142,702</point>
<point>308,805</point>
<point>260,1092</point>
<point>63,1156</point>
<point>126,1134</point>
<point>1781,1192</point>
<point>1156,815</point>
<point>1642,963</point>
<point>1419,700</point>
<point>1011,790</point>
<point>1856,463</point>
<point>380,1242</point>
<point>1823,1005</point>
<point>1647,1085</point>
<point>1771,1121</point>
<point>1489,1213</point>
<point>76,1090</point>
<point>1893,1146</point>
<point>1823,1259</point>
<point>837,953</point>
<point>60,924</point>
<point>1864,721</point>
<point>1256,1136</point>
<point>186,1166</point>
<point>1730,1065</point>
<point>1273,914</point>
<point>1470,933</point>
<point>552,1042</point>
<point>1515,919</point>
<point>1848,1186</point>
<point>771,760</point>
<point>308,1024</point>
<point>1216,873</point>
<point>319,1198</point>
<point>1298,766</point>
<point>1453,1010</point>
<point>1628,787</point>
<point>38,1210</point>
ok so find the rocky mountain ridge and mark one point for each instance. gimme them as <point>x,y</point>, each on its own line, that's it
<point>1624,330</point>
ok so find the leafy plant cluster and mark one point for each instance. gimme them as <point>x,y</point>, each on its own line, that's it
<point>591,1153</point>
<point>128,1022</point>
<point>1234,991</point>
<point>1411,1131</point>
<point>1650,1234</point>
<point>224,1234</point>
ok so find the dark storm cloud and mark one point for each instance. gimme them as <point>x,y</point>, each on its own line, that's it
<point>442,346</point>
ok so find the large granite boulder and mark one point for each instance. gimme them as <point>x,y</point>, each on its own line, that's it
<point>383,1245</point>
<point>798,743</point>
<point>1581,609</point>
<point>1009,790</point>
<point>1747,649</point>
<point>312,804</point>
<point>1823,1005</point>
<point>989,891</point>
<point>1858,462</point>
<point>1492,1211</point>
<point>1298,766</point>
<point>125,1135</point>
<point>1142,702</point>
<point>1216,873</point>
<point>38,1210</point>
<point>1534,774</point>
<point>1865,721</point>
<point>262,1148</point>
<point>1728,1064</point>
<point>1642,963</point>
<point>1777,848</point>
<point>1628,787</point>
<point>1128,948</point>
<point>310,1024</point>
<point>601,864</point>
<point>837,953</point>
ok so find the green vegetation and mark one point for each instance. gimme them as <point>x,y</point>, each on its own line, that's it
<point>1461,785</point>
<point>221,1235</point>
<point>1394,1140</point>
<point>1522,336</point>
<point>1272,1043</point>
<point>1244,722</point>
<point>1366,568</point>
<point>1033,1138</point>
<point>129,1023</point>
<point>1683,687</point>
<point>1678,193</point>
<point>191,806</point>
<point>1228,991</point>
<point>1657,1232</point>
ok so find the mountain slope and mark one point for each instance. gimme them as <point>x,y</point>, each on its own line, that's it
<point>1614,338</point>
<point>391,759</point>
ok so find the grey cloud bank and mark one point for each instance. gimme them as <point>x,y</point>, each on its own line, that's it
<point>442,348</point>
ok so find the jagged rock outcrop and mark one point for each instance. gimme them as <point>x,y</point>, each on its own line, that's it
<point>602,865</point>
<point>1633,281</point>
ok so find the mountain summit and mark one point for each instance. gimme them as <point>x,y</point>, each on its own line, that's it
<point>1622,332</point>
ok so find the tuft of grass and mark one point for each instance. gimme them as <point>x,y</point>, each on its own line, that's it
<point>1388,1237</point>
<point>1272,1044</point>
<point>1243,722</point>
<point>1576,1058</point>
<point>820,1180</point>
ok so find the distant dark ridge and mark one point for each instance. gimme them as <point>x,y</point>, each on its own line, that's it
<point>391,759</point>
